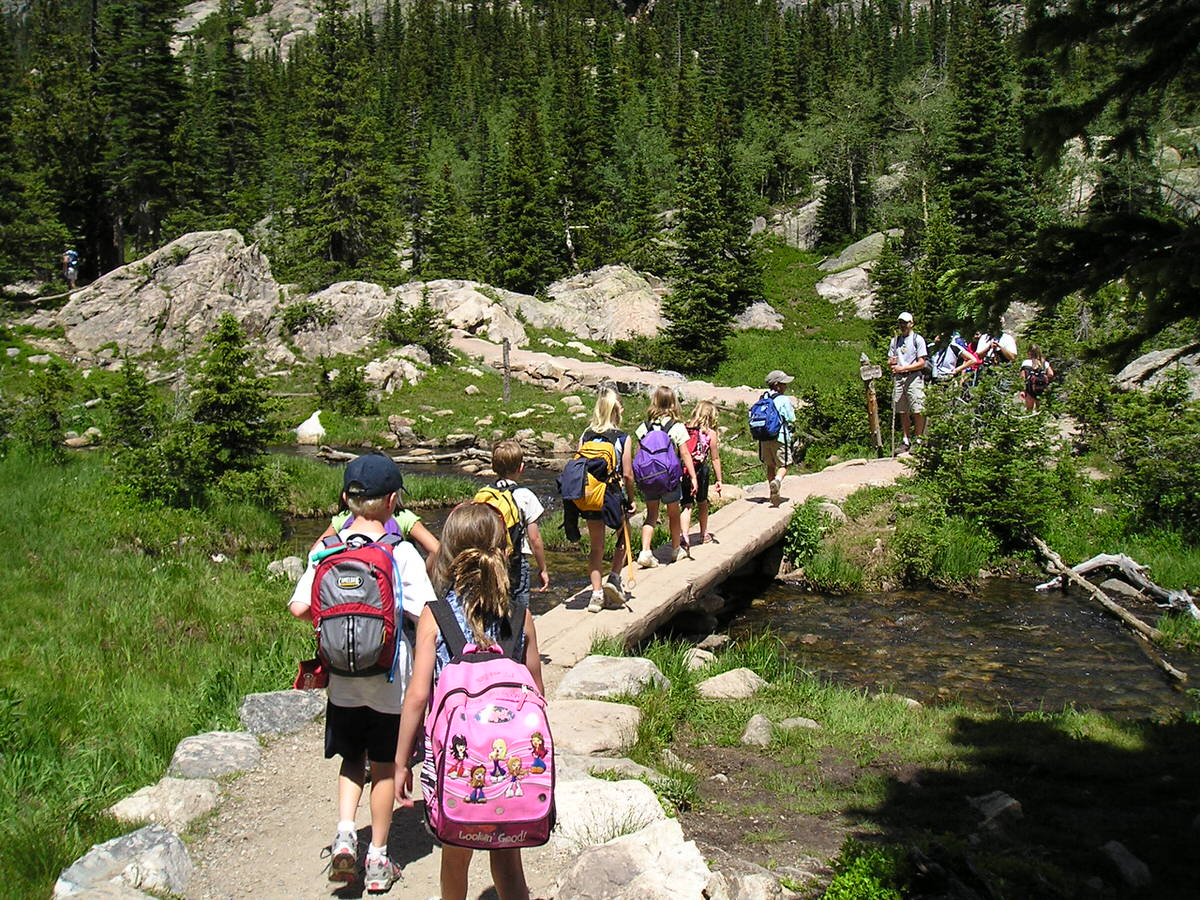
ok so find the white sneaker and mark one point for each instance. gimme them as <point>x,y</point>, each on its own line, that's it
<point>646,560</point>
<point>381,874</point>
<point>680,553</point>
<point>597,602</point>
<point>775,485</point>
<point>343,857</point>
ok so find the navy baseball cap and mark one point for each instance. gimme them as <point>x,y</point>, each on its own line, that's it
<point>371,475</point>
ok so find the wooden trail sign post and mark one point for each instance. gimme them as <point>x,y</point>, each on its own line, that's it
<point>869,373</point>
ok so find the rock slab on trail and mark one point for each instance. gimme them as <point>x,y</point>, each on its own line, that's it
<point>152,858</point>
<point>600,677</point>
<point>214,753</point>
<point>172,802</point>
<point>592,726</point>
<point>280,712</point>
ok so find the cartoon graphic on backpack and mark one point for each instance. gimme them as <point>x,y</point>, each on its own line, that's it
<point>656,466</point>
<point>765,421</point>
<point>487,716</point>
<point>586,476</point>
<point>354,604</point>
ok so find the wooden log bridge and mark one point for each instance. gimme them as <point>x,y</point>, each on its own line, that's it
<point>744,528</point>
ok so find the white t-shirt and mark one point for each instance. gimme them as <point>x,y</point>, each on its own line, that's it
<point>907,350</point>
<point>1006,342</point>
<point>530,507</point>
<point>415,591</point>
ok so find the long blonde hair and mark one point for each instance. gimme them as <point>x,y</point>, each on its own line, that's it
<point>606,415</point>
<point>664,404</point>
<point>1036,356</point>
<point>705,416</point>
<point>481,583</point>
<point>469,526</point>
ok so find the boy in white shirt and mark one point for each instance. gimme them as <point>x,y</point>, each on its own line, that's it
<point>362,718</point>
<point>508,462</point>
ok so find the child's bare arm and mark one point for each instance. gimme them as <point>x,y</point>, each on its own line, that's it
<point>423,538</point>
<point>714,445</point>
<point>533,662</point>
<point>416,698</point>
<point>539,554</point>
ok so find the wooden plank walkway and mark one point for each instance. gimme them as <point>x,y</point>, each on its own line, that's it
<point>745,528</point>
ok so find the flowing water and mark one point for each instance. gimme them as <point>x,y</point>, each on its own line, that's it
<point>1005,646</point>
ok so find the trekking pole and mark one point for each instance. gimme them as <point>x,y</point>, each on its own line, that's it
<point>629,577</point>
<point>893,450</point>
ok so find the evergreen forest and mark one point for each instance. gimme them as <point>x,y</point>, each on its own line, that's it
<point>514,143</point>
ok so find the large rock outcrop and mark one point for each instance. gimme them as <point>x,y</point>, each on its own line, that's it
<point>171,298</point>
<point>609,304</point>
<point>1152,369</point>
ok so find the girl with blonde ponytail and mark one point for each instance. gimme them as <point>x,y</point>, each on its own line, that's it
<point>472,569</point>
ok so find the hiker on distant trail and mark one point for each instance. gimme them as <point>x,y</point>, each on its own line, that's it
<point>906,358</point>
<point>704,446</point>
<point>597,486</point>
<point>1037,374</point>
<point>362,716</point>
<point>952,357</point>
<point>659,465</point>
<point>403,522</point>
<point>473,561</point>
<point>70,267</point>
<point>996,350</point>
<point>772,423</point>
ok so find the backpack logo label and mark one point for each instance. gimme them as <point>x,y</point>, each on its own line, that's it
<point>350,582</point>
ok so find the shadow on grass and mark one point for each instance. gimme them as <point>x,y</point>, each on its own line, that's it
<point>1081,782</point>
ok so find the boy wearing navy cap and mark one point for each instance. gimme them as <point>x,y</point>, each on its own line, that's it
<point>362,717</point>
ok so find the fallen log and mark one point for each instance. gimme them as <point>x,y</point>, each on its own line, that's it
<point>1134,573</point>
<point>1137,626</point>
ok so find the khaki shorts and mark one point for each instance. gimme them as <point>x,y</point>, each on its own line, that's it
<point>908,393</point>
<point>775,454</point>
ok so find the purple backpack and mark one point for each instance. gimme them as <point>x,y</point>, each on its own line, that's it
<point>488,775</point>
<point>656,466</point>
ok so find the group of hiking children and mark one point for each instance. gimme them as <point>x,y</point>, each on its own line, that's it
<point>913,366</point>
<point>437,659</point>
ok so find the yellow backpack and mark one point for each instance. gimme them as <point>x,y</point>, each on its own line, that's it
<point>501,498</point>
<point>595,478</point>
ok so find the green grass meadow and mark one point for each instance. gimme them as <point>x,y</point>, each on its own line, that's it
<point>123,636</point>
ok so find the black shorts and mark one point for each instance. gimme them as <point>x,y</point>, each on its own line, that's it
<point>351,730</point>
<point>671,496</point>
<point>700,494</point>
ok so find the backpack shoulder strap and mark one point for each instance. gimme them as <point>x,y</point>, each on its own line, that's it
<point>511,631</point>
<point>447,623</point>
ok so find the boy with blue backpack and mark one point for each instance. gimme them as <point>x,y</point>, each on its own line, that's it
<point>658,466</point>
<point>358,588</point>
<point>772,418</point>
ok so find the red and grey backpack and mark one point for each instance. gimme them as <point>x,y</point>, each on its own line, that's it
<point>355,603</point>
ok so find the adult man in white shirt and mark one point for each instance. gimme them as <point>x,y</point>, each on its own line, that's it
<point>906,358</point>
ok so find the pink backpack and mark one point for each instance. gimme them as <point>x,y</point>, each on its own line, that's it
<point>488,775</point>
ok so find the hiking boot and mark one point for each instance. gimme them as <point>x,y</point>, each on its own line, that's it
<point>774,485</point>
<point>614,592</point>
<point>382,873</point>
<point>343,857</point>
<point>597,602</point>
<point>646,560</point>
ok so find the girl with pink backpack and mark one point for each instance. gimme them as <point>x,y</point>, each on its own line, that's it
<point>477,687</point>
<point>704,446</point>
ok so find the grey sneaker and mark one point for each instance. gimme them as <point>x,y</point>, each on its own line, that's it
<point>597,602</point>
<point>646,560</point>
<point>775,483</point>
<point>382,873</point>
<point>614,591</point>
<point>343,857</point>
